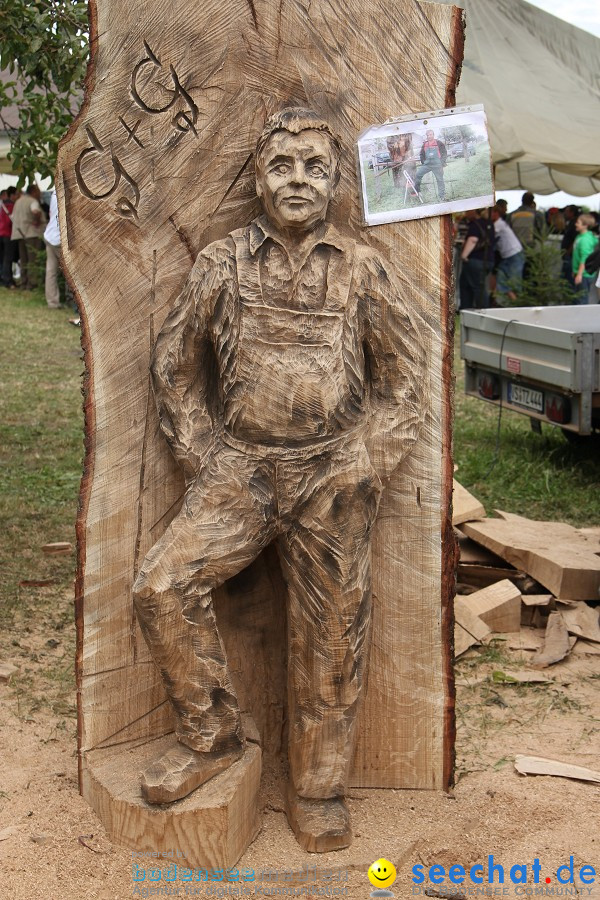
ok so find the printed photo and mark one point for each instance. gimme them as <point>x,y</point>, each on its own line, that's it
<point>425,165</point>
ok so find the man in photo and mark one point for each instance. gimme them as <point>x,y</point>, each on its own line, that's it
<point>433,159</point>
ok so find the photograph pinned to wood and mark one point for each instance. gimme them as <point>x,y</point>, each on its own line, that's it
<point>425,164</point>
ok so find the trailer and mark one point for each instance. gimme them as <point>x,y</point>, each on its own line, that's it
<point>543,362</point>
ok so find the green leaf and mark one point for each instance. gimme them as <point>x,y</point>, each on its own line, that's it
<point>499,677</point>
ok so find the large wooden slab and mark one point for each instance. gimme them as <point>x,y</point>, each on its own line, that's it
<point>557,555</point>
<point>158,164</point>
<point>465,507</point>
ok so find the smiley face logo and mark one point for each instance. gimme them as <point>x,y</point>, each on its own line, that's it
<point>382,873</point>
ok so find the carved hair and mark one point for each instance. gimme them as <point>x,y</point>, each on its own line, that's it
<point>295,119</point>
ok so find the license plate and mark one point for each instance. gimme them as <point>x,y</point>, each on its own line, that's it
<point>527,397</point>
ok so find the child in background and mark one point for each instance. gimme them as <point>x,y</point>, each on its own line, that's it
<point>585,243</point>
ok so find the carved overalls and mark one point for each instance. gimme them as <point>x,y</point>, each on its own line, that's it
<point>296,369</point>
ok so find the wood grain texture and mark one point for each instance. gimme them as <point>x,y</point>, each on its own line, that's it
<point>141,192</point>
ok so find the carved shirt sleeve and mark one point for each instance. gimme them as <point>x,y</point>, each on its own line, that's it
<point>395,339</point>
<point>182,358</point>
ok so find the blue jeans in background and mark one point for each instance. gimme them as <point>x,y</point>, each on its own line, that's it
<point>510,273</point>
<point>583,291</point>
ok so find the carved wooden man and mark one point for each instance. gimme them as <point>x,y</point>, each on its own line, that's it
<point>290,350</point>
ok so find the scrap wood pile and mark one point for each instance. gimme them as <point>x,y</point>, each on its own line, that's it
<point>538,582</point>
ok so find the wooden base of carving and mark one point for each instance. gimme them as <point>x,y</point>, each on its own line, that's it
<point>212,827</point>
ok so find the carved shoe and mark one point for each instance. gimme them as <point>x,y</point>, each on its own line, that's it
<point>181,770</point>
<point>319,825</point>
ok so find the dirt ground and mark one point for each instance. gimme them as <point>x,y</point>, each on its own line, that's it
<point>52,845</point>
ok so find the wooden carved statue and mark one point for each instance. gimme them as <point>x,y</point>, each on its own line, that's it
<point>289,380</point>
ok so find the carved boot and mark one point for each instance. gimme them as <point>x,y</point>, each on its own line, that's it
<point>319,825</point>
<point>181,770</point>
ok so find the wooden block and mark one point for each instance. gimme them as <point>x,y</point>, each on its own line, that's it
<point>465,507</point>
<point>583,621</point>
<point>498,605</point>
<point>536,599</point>
<point>531,603</point>
<point>212,827</point>
<point>469,629</point>
<point>561,558</point>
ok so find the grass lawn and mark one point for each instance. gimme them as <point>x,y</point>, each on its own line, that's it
<point>462,180</point>
<point>41,452</point>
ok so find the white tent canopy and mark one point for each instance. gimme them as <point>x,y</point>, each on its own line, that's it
<point>539,80</point>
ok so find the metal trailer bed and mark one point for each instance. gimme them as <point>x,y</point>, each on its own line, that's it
<point>541,361</point>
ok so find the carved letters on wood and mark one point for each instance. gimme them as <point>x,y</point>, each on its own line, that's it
<point>153,96</point>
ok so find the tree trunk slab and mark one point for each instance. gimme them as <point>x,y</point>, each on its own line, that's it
<point>158,165</point>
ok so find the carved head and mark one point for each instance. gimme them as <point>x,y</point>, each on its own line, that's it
<point>297,168</point>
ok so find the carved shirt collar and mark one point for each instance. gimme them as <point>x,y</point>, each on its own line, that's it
<point>261,229</point>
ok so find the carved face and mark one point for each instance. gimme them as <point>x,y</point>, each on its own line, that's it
<point>296,178</point>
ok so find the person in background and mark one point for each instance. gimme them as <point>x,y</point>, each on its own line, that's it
<point>461,227</point>
<point>512,258</point>
<point>585,243</point>
<point>477,262</point>
<point>502,207</point>
<point>52,242</point>
<point>7,256</point>
<point>570,214</point>
<point>556,220</point>
<point>526,222</point>
<point>28,224</point>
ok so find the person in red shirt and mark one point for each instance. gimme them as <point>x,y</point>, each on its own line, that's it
<point>7,255</point>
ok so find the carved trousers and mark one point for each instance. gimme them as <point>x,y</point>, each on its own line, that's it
<point>321,511</point>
